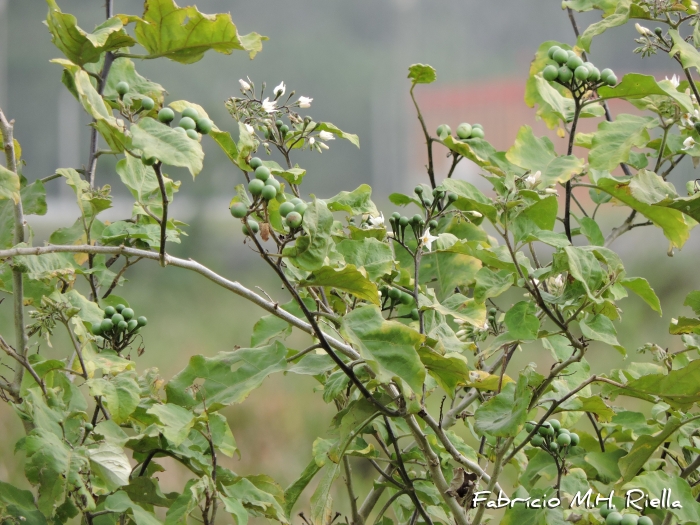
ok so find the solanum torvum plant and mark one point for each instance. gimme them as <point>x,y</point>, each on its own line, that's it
<point>412,314</point>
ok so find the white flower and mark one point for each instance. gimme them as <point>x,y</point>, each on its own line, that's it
<point>643,30</point>
<point>326,135</point>
<point>533,179</point>
<point>249,129</point>
<point>559,280</point>
<point>244,85</point>
<point>688,143</point>
<point>279,89</point>
<point>377,222</point>
<point>674,80</point>
<point>475,214</point>
<point>304,102</point>
<point>551,191</point>
<point>427,239</point>
<point>311,141</point>
<point>688,119</point>
<point>323,146</point>
<point>269,105</point>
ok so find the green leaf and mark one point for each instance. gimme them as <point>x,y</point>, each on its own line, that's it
<point>521,321</point>
<point>644,447</point>
<point>221,434</point>
<point>79,46</point>
<point>671,221</point>
<point>167,145</point>
<point>402,200</point>
<point>600,328</point>
<point>184,34</point>
<point>606,464</point>
<point>175,420</point>
<point>331,128</point>
<point>491,284</point>
<point>354,202</point>
<point>648,188</point>
<point>9,184</point>
<point>186,502</point>
<point>449,268</point>
<point>389,347</point>
<point>678,388</point>
<point>228,377</point>
<point>374,256</point>
<point>422,73</point>
<point>34,198</point>
<point>292,493</point>
<point>120,394</point>
<point>143,185</point>
<point>449,370</point>
<point>481,153</point>
<point>310,251</point>
<point>585,268</point>
<point>505,413</point>
<point>591,230</point>
<point>123,70</point>
<point>470,198</point>
<point>693,300</point>
<point>109,464</point>
<point>688,55</point>
<point>120,502</point>
<point>653,483</point>
<point>17,503</point>
<point>349,279</point>
<point>613,141</point>
<point>624,10</point>
<point>641,287</point>
<point>635,85</point>
<point>253,492</point>
<point>537,154</point>
<point>541,215</point>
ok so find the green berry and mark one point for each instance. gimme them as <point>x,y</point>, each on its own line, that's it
<point>294,219</point>
<point>614,518</point>
<point>255,187</point>
<point>252,226</point>
<point>574,62</point>
<point>630,519</point>
<point>443,130</point>
<point>119,308</point>
<point>106,325</point>
<point>574,439</point>
<point>593,74</point>
<point>543,430</point>
<point>414,314</point>
<point>142,321</point>
<point>255,163</point>
<point>122,325</point>
<point>182,131</point>
<point>284,130</point>
<point>658,31</point>
<point>416,218</point>
<point>88,427</point>
<point>117,318</point>
<point>190,113</point>
<point>645,520</point>
<point>110,311</point>
<point>571,53</point>
<point>550,73</point>
<point>296,200</point>
<point>553,446</point>
<point>529,426</point>
<point>581,73</point>
<point>451,197</point>
<point>147,103</point>
<point>564,431</point>
<point>433,224</point>
<point>464,130</point>
<point>301,208</point>
<point>395,294</point>
<point>604,511</point>
<point>564,440</point>
<point>132,325</point>
<point>127,313</point>
<point>166,115</point>
<point>204,125</point>
<point>537,441</point>
<point>493,311</point>
<point>187,123</point>
<point>403,221</point>
<point>286,208</point>
<point>555,424</point>
<point>239,210</point>
<point>477,133</point>
<point>550,52</point>
<point>191,133</point>
<point>560,56</point>
<point>477,125</point>
<point>396,215</point>
<point>262,173</point>
<point>96,329</point>
<point>274,183</point>
<point>406,298</point>
<point>122,88</point>
<point>279,123</point>
<point>268,192</point>
<point>418,190</point>
<point>565,74</point>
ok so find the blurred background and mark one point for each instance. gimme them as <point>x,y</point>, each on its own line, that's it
<point>352,58</point>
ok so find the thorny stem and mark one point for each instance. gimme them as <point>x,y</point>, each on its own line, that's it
<point>21,339</point>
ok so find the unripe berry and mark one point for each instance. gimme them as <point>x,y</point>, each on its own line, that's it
<point>122,88</point>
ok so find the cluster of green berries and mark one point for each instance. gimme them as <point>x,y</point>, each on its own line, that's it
<point>392,297</point>
<point>293,212</point>
<point>147,103</point>
<point>399,223</point>
<point>282,129</point>
<point>569,69</point>
<point>552,437</point>
<point>468,332</point>
<point>615,518</point>
<point>191,123</point>
<point>119,326</point>
<point>464,131</point>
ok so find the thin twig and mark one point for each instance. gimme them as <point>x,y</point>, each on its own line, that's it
<point>164,217</point>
